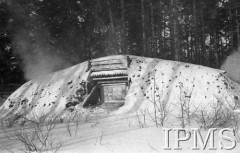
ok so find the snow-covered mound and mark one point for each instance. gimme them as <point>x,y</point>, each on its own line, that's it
<point>170,87</point>
<point>48,95</point>
<point>154,85</point>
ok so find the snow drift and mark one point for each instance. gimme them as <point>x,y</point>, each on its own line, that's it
<point>152,82</point>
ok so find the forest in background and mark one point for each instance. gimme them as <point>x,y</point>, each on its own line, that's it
<point>38,37</point>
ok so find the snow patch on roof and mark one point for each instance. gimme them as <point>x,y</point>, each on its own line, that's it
<point>109,73</point>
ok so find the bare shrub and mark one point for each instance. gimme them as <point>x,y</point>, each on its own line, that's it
<point>187,110</point>
<point>161,107</point>
<point>236,125</point>
<point>12,120</point>
<point>38,135</point>
<point>216,115</point>
<point>141,119</point>
<point>72,123</point>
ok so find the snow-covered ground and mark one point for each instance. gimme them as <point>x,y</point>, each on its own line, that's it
<point>159,87</point>
<point>116,134</point>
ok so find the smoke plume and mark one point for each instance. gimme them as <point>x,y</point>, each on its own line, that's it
<point>39,57</point>
<point>34,44</point>
<point>41,64</point>
<point>231,65</point>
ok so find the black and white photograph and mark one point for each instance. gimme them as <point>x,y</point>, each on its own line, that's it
<point>119,76</point>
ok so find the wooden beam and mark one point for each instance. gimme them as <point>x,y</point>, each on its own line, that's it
<point>85,102</point>
<point>109,78</point>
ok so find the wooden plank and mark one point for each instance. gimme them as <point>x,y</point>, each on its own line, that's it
<point>86,100</point>
<point>109,58</point>
<point>109,78</point>
<point>113,73</point>
<point>109,62</point>
<point>107,69</point>
<point>122,61</point>
<point>102,94</point>
<point>113,82</point>
<point>110,65</point>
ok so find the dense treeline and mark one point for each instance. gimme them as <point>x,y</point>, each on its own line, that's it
<point>196,31</point>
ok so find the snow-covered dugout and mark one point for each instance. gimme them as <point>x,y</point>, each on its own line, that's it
<point>109,75</point>
<point>148,83</point>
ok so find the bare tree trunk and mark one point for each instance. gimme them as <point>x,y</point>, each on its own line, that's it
<point>238,26</point>
<point>159,34</point>
<point>164,32</point>
<point>216,50</point>
<point>98,7</point>
<point>195,50</point>
<point>112,42</point>
<point>153,48</point>
<point>143,28</point>
<point>188,31</point>
<point>188,42</point>
<point>110,16</point>
<point>215,40</point>
<point>231,32</point>
<point>202,39</point>
<point>1,82</point>
<point>123,45</point>
<point>192,47</point>
<point>174,31</point>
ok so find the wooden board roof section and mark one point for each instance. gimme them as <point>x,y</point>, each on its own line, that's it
<point>113,67</point>
<point>119,62</point>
